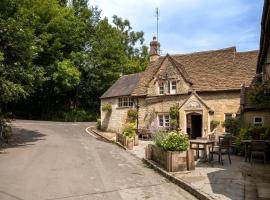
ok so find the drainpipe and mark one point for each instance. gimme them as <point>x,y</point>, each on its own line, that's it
<point>137,107</point>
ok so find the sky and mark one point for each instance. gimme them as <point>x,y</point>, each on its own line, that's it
<point>191,25</point>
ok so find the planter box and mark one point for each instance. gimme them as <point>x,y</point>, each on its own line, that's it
<point>125,141</point>
<point>136,140</point>
<point>172,161</point>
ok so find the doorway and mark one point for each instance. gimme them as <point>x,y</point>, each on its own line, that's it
<point>194,125</point>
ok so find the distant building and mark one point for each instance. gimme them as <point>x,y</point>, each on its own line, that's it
<point>250,112</point>
<point>204,85</point>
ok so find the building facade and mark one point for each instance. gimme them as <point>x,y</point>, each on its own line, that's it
<point>205,86</point>
<point>252,114</point>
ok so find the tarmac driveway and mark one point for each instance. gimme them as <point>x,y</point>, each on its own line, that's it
<point>54,160</point>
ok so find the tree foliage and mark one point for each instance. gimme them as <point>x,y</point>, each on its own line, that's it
<point>57,54</point>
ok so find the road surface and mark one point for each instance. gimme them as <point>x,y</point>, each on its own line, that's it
<point>55,161</point>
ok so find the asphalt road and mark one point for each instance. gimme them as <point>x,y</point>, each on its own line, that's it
<point>55,161</point>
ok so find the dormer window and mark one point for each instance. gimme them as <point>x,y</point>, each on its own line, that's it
<point>161,88</point>
<point>167,87</point>
<point>173,87</point>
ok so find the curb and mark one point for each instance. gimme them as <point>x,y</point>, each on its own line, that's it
<point>181,183</point>
<point>111,141</point>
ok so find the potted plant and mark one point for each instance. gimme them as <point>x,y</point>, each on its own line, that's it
<point>170,150</point>
<point>214,124</point>
<point>126,138</point>
<point>107,108</point>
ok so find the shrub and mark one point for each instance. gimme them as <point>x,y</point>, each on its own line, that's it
<point>132,115</point>
<point>174,123</point>
<point>172,141</point>
<point>129,130</point>
<point>251,133</point>
<point>214,124</point>
<point>98,124</point>
<point>73,115</point>
<point>232,125</point>
<point>107,107</point>
<point>159,137</point>
<point>174,114</point>
<point>259,96</point>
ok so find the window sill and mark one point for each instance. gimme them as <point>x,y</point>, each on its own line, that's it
<point>127,107</point>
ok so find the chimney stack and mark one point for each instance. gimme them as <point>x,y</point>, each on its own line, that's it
<point>154,49</point>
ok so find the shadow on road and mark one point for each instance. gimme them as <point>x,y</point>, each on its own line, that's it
<point>23,137</point>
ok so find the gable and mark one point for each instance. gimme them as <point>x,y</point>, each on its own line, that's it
<point>194,102</point>
<point>169,70</point>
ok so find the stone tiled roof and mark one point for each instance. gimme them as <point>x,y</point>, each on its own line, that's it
<point>124,86</point>
<point>223,69</point>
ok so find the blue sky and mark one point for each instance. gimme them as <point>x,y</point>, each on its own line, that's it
<point>192,25</point>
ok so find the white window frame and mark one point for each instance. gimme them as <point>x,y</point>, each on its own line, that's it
<point>125,102</point>
<point>172,85</point>
<point>164,120</point>
<point>258,123</point>
<point>161,87</point>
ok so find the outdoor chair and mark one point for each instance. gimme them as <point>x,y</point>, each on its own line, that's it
<point>223,147</point>
<point>257,149</point>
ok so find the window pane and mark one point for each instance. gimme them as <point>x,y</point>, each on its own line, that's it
<point>119,102</point>
<point>167,120</point>
<point>161,88</point>
<point>125,102</point>
<point>160,119</point>
<point>169,87</point>
<point>173,85</point>
<point>258,120</point>
<point>228,116</point>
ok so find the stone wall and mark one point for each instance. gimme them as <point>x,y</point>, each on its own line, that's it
<point>114,120</point>
<point>221,103</point>
<point>168,70</point>
<point>218,102</point>
<point>249,117</point>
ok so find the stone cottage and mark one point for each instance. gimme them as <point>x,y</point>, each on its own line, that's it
<point>204,85</point>
<point>251,114</point>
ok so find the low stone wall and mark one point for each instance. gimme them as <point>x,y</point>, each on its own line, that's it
<point>172,161</point>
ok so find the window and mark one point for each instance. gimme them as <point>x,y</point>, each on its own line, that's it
<point>228,116</point>
<point>173,87</point>
<point>258,121</point>
<point>164,120</point>
<point>125,102</point>
<point>161,88</point>
<point>168,87</point>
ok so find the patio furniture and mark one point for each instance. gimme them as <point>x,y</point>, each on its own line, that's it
<point>223,147</point>
<point>201,142</point>
<point>247,144</point>
<point>143,133</point>
<point>257,148</point>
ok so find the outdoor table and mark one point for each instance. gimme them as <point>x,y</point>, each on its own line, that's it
<point>143,132</point>
<point>247,143</point>
<point>203,142</point>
